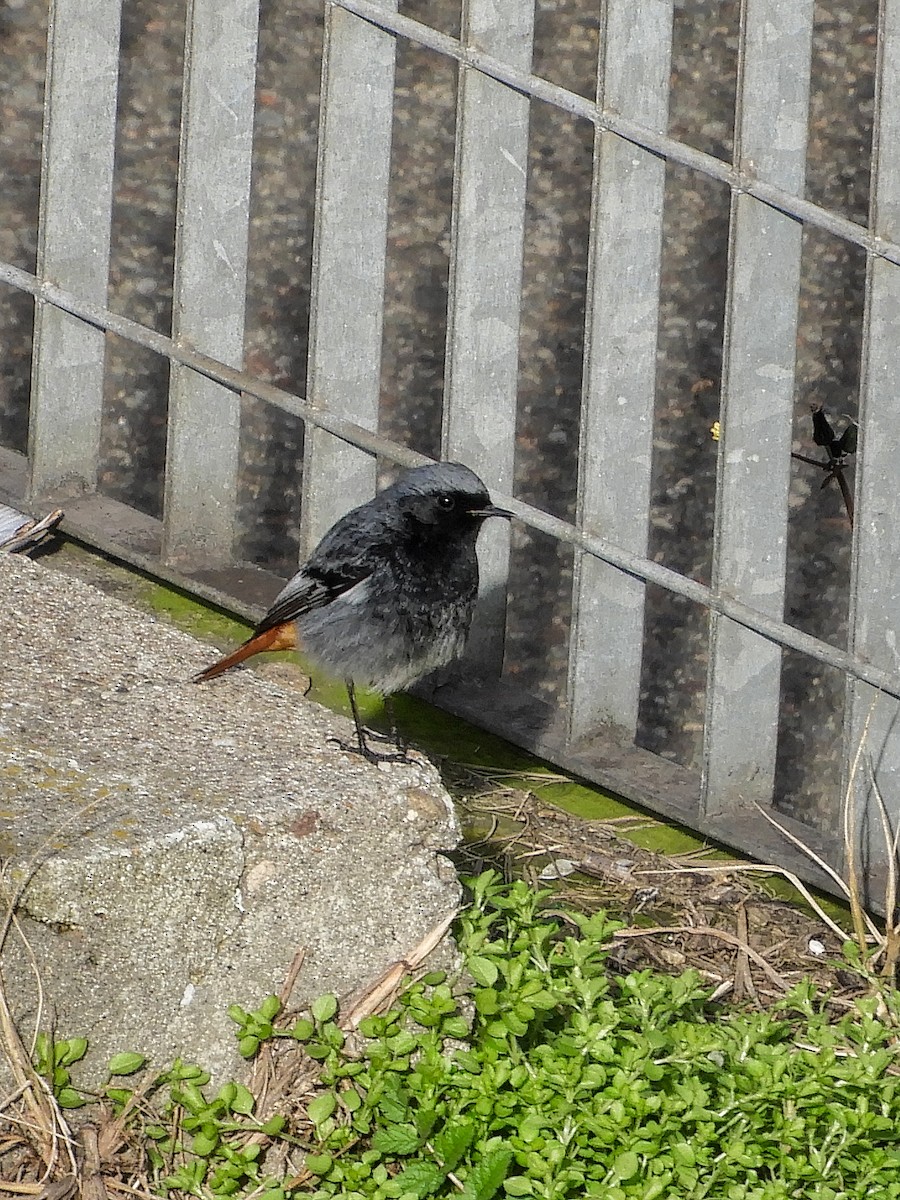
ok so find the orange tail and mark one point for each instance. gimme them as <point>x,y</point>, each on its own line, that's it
<point>281,637</point>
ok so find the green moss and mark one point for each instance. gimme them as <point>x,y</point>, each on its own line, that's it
<point>201,620</point>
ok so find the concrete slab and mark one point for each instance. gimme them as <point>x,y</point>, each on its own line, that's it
<point>177,844</point>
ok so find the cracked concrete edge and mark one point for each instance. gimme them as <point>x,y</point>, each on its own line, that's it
<point>190,840</point>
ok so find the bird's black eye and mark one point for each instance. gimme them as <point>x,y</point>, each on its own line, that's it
<point>447,502</point>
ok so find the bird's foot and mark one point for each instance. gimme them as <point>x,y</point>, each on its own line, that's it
<point>375,735</point>
<point>364,750</point>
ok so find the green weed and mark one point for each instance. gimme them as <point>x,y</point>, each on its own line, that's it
<point>546,1077</point>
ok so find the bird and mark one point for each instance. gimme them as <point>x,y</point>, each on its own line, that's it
<point>388,594</point>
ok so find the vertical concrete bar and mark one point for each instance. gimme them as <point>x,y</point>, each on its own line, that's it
<point>73,241</point>
<point>757,402</point>
<point>348,261</point>
<point>616,447</point>
<point>210,275</point>
<point>485,285</point>
<point>875,582</point>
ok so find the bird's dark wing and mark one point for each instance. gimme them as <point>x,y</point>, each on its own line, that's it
<point>849,439</point>
<point>309,589</point>
<point>352,550</point>
<point>348,553</point>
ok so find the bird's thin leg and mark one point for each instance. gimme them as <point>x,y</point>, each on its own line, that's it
<point>845,492</point>
<point>363,748</point>
<point>365,736</point>
<point>360,728</point>
<point>813,462</point>
<point>396,736</point>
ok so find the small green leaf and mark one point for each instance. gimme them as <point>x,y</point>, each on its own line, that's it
<point>455,1027</point>
<point>321,1108</point>
<point>302,1029</point>
<point>70,1051</point>
<point>543,999</point>
<point>402,1043</point>
<point>43,1053</point>
<point>188,1177</point>
<point>333,1035</point>
<point>190,1097</point>
<point>518,1185</point>
<point>324,1008</point>
<point>483,970</point>
<point>318,1050</point>
<point>487,1001</point>
<point>514,1024</point>
<point>394,1109</point>
<point>182,1070</point>
<point>270,1008</point>
<point>626,1166</point>
<point>851,952</point>
<point>530,1128</point>
<point>204,1144</point>
<point>486,1179</point>
<point>248,1046</point>
<point>452,1142</point>
<point>396,1139</point>
<point>419,1179</point>
<point>371,1027</point>
<point>243,1101</point>
<point>319,1164</point>
<point>67,1097</point>
<point>126,1063</point>
<point>683,1155</point>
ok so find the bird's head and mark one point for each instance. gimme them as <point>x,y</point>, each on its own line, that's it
<point>444,499</point>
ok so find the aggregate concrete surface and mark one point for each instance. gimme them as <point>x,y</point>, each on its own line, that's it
<point>179,844</point>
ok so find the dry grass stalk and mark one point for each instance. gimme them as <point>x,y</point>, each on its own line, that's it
<point>382,993</point>
<point>722,935</point>
<point>743,977</point>
<point>739,868</point>
<point>263,1076</point>
<point>874,945</point>
<point>891,942</point>
<point>865,930</point>
<point>42,1128</point>
<point>39,1119</point>
<point>853,889</point>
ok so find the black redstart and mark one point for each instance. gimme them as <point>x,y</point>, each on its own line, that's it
<point>388,594</point>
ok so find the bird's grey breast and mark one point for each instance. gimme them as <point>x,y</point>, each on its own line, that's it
<point>396,626</point>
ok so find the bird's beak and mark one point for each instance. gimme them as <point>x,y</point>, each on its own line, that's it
<point>491,510</point>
